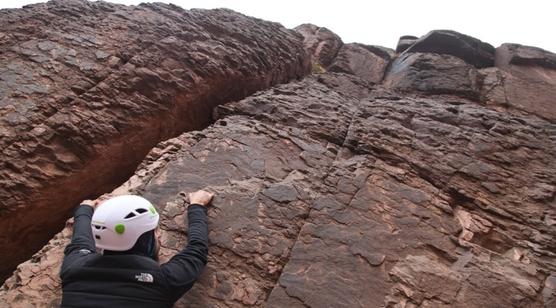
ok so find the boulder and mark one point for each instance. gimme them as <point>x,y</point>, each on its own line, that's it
<point>467,48</point>
<point>322,44</point>
<point>432,73</point>
<point>404,42</point>
<point>88,88</point>
<point>367,62</point>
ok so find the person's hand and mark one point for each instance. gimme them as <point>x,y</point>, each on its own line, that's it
<point>91,203</point>
<point>95,203</point>
<point>200,197</point>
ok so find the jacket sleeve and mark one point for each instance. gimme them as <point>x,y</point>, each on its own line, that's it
<point>185,267</point>
<point>82,242</point>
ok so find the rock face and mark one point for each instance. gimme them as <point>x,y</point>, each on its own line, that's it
<point>340,190</point>
<point>87,89</point>
<point>524,79</point>
<point>515,54</point>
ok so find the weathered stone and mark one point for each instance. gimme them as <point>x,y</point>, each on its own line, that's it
<point>432,74</point>
<point>404,42</point>
<point>322,44</point>
<point>521,89</point>
<point>523,81</point>
<point>406,193</point>
<point>101,114</point>
<point>367,62</point>
<point>467,48</point>
<point>321,189</point>
<point>515,54</point>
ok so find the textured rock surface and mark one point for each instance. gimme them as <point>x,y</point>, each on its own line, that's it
<point>378,199</point>
<point>524,79</point>
<point>367,62</point>
<point>433,74</point>
<point>321,43</point>
<point>517,54</point>
<point>87,89</point>
<point>422,190</point>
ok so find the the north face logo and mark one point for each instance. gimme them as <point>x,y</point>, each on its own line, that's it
<point>144,277</point>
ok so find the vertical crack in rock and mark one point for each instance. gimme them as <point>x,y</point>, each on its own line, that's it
<point>308,216</point>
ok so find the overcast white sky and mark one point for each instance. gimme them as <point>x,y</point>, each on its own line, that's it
<point>382,22</point>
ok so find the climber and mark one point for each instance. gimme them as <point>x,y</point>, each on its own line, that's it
<point>118,267</point>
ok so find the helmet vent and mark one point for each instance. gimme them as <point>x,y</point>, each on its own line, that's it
<point>130,215</point>
<point>141,211</point>
<point>99,227</point>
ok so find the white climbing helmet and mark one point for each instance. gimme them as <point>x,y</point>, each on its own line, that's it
<point>118,222</point>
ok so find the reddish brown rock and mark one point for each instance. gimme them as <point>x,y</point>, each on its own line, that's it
<point>322,44</point>
<point>467,48</point>
<point>378,198</point>
<point>416,192</point>
<point>523,81</point>
<point>367,62</point>
<point>516,92</point>
<point>80,108</point>
<point>515,54</point>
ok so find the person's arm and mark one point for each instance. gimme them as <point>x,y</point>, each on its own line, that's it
<point>82,242</point>
<point>185,267</point>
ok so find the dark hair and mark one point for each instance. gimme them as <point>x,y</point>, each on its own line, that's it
<point>145,245</point>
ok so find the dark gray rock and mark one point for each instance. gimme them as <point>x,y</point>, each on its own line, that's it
<point>404,42</point>
<point>467,48</point>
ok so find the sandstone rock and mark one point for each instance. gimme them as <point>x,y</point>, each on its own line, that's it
<point>524,80</point>
<point>522,89</point>
<point>367,62</point>
<point>80,108</point>
<point>321,43</point>
<point>415,192</point>
<point>469,49</point>
<point>404,42</point>
<point>318,189</point>
<point>432,74</point>
<point>515,54</point>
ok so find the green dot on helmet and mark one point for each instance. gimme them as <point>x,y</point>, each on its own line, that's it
<point>119,228</point>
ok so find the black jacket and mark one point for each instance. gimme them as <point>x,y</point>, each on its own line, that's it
<point>93,280</point>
